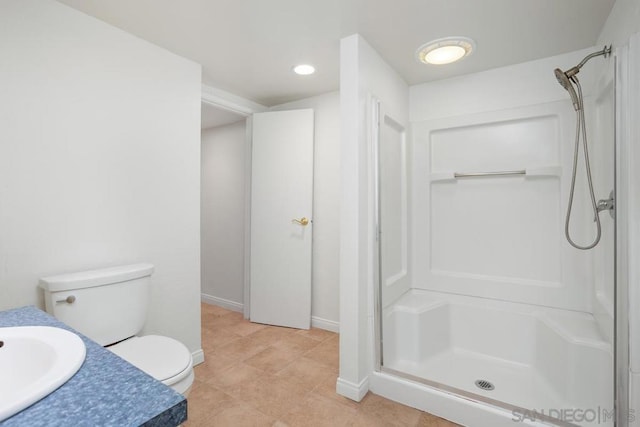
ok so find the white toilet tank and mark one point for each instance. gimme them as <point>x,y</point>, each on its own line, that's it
<point>106,305</point>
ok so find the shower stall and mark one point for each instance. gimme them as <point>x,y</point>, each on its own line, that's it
<point>478,295</point>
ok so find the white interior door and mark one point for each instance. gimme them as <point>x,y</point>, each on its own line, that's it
<point>281,212</point>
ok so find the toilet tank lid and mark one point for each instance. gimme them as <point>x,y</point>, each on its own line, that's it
<point>91,278</point>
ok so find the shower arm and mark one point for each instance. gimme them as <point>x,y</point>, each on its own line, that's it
<point>606,51</point>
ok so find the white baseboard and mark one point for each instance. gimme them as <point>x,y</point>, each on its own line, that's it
<point>198,357</point>
<point>328,325</point>
<point>351,390</point>
<point>221,302</point>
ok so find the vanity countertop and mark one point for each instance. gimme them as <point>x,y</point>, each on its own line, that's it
<point>106,391</point>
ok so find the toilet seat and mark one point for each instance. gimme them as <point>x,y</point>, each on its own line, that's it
<point>164,358</point>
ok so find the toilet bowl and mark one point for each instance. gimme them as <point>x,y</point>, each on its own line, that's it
<point>110,307</point>
<point>164,358</point>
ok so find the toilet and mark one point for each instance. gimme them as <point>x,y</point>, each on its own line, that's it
<point>110,307</point>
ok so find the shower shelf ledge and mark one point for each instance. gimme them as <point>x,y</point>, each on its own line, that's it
<point>536,172</point>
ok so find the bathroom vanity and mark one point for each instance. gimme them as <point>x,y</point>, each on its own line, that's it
<point>106,391</point>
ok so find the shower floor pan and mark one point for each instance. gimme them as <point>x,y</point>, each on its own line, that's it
<point>542,360</point>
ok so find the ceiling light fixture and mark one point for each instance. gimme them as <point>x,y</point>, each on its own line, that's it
<point>304,69</point>
<point>445,50</point>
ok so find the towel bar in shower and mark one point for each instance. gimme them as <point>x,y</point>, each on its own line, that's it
<point>495,173</point>
<point>535,172</point>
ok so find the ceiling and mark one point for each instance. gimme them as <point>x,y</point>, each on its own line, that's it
<point>212,117</point>
<point>247,47</point>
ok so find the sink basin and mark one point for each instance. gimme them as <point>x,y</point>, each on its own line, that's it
<point>34,361</point>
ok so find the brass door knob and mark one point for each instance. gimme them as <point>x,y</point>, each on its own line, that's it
<point>304,221</point>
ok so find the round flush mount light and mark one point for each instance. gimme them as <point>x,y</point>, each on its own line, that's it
<point>304,69</point>
<point>445,50</point>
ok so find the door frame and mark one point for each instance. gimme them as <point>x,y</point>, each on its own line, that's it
<point>243,107</point>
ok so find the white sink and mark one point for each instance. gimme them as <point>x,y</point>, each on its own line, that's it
<point>34,361</point>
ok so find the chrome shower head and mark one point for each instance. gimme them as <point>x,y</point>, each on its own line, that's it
<point>564,81</point>
<point>566,77</point>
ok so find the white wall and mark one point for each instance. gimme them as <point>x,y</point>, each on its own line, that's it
<point>222,214</point>
<point>326,206</point>
<point>99,159</point>
<point>363,75</point>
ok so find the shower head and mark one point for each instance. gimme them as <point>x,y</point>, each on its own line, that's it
<point>564,81</point>
<point>566,77</point>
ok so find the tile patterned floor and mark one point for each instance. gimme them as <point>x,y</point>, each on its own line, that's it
<point>258,375</point>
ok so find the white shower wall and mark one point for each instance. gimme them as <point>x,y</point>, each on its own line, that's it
<point>501,237</point>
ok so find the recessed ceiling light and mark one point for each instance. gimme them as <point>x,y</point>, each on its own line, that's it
<point>304,69</point>
<point>445,51</point>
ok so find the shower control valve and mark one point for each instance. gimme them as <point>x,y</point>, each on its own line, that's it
<point>607,205</point>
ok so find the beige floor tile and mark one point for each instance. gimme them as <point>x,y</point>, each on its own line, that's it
<point>242,415</point>
<point>213,366</point>
<point>204,401</point>
<point>296,344</point>
<point>270,335</point>
<point>326,353</point>
<point>306,372</point>
<point>327,388</point>
<point>270,395</point>
<point>394,414</point>
<point>317,411</point>
<point>235,377</point>
<point>271,360</point>
<point>362,419</point>
<point>234,323</point>
<point>244,327</point>
<point>214,310</point>
<point>317,334</point>
<point>428,420</point>
<point>213,338</point>
<point>221,322</point>
<point>241,349</point>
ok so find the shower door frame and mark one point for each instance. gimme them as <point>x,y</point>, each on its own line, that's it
<point>624,58</point>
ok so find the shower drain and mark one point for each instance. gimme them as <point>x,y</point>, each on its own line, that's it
<point>484,384</point>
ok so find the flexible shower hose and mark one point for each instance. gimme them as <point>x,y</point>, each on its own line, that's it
<point>581,127</point>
